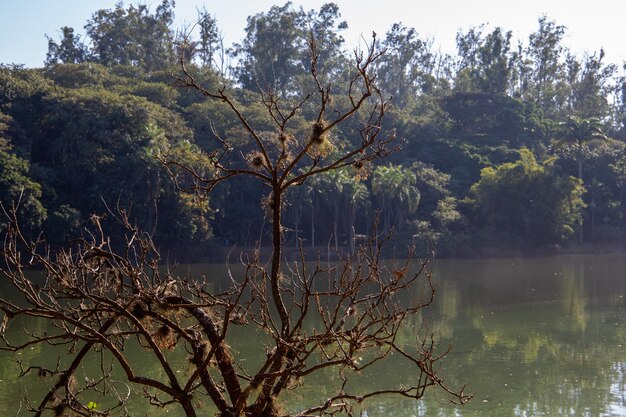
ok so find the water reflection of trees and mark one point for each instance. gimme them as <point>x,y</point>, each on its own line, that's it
<point>555,351</point>
<point>540,357</point>
<point>537,340</point>
<point>574,297</point>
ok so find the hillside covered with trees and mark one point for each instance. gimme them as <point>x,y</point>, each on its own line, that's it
<point>503,147</point>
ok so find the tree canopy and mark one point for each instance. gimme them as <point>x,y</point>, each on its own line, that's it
<point>104,104</point>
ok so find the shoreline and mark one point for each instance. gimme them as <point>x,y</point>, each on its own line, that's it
<point>221,253</point>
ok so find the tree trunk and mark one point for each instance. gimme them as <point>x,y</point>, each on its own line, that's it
<point>621,214</point>
<point>296,227</point>
<point>581,239</point>
<point>276,260</point>
<point>312,221</point>
<point>580,165</point>
<point>592,213</point>
<point>188,408</point>
<point>335,225</point>
<point>351,221</point>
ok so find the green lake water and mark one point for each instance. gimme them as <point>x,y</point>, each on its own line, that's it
<point>530,337</point>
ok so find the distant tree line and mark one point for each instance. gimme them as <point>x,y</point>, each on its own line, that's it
<point>504,146</point>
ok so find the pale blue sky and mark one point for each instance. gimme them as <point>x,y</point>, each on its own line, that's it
<point>591,25</point>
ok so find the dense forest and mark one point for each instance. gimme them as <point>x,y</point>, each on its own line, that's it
<point>505,147</point>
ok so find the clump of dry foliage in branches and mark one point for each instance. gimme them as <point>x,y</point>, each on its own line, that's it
<point>110,299</point>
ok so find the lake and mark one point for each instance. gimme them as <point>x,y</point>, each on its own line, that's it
<point>530,337</point>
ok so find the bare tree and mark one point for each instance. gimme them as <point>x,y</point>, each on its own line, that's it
<point>106,297</point>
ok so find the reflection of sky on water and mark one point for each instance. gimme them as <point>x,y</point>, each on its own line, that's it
<point>617,405</point>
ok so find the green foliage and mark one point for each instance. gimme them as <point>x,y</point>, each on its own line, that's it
<point>591,86</point>
<point>407,66</point>
<point>395,190</point>
<point>493,119</point>
<point>271,53</point>
<point>17,84</point>
<point>276,51</point>
<point>324,29</point>
<point>485,62</point>
<point>101,148</point>
<point>159,93</point>
<point>545,53</point>
<point>575,133</point>
<point>133,36</point>
<point>63,223</point>
<point>88,127</point>
<point>71,50</point>
<point>339,206</point>
<point>209,43</point>
<point>526,203</point>
<point>16,185</point>
<point>83,75</point>
<point>446,212</point>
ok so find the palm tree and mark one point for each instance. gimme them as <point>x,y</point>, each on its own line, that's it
<point>394,187</point>
<point>576,132</point>
<point>344,196</point>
